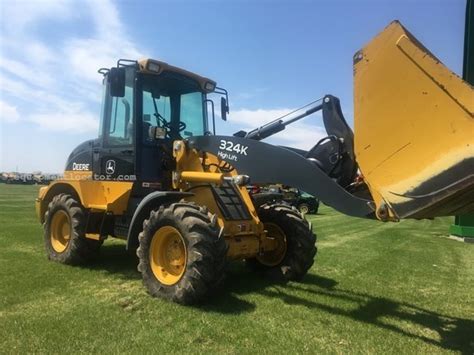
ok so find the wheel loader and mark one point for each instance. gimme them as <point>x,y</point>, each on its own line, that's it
<point>158,177</point>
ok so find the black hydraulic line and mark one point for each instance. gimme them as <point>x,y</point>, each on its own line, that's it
<point>296,110</point>
<point>303,115</point>
<point>265,131</point>
<point>279,125</point>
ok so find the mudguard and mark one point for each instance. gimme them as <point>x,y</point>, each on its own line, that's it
<point>150,202</point>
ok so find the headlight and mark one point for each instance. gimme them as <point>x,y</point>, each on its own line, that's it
<point>210,86</point>
<point>154,67</point>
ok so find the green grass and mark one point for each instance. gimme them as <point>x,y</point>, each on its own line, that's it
<point>375,288</point>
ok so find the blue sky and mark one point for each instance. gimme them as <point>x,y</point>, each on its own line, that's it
<point>272,56</point>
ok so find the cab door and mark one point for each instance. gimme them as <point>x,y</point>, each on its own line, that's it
<point>114,155</point>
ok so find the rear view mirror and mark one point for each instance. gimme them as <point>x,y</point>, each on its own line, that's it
<point>224,108</point>
<point>116,80</point>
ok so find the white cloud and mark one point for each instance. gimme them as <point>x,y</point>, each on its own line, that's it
<point>109,43</point>
<point>255,118</point>
<point>300,134</point>
<point>66,122</point>
<point>36,98</point>
<point>56,85</point>
<point>85,60</point>
<point>38,51</point>
<point>18,15</point>
<point>8,113</point>
<point>250,94</point>
<point>26,73</point>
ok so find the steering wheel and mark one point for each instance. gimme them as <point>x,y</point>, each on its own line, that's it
<point>165,124</point>
<point>181,126</point>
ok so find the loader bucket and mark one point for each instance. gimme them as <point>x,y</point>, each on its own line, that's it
<point>414,129</point>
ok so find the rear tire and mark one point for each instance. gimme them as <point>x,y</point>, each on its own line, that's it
<point>182,253</point>
<point>64,232</point>
<point>300,242</point>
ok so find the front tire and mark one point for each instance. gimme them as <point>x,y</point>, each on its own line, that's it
<point>181,253</point>
<point>292,261</point>
<point>64,232</point>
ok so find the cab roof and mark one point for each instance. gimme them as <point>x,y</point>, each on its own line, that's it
<point>153,66</point>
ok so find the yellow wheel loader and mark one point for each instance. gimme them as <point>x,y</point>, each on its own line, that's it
<point>158,177</point>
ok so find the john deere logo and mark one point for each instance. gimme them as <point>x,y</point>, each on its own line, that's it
<point>110,166</point>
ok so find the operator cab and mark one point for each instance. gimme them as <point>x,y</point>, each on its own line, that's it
<point>148,104</point>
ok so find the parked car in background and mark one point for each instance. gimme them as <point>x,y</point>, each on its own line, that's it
<point>304,202</point>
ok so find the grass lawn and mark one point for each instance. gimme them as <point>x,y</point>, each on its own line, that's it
<point>375,288</point>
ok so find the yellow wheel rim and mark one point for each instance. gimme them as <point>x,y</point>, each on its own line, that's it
<point>168,255</point>
<point>60,231</point>
<point>274,257</point>
<point>304,209</point>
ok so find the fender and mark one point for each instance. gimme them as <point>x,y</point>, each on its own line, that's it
<point>265,163</point>
<point>150,202</point>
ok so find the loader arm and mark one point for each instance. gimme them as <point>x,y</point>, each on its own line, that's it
<point>265,163</point>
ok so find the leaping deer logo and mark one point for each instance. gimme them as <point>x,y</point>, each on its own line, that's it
<point>110,166</point>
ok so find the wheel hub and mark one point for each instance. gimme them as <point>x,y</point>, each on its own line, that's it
<point>168,255</point>
<point>276,256</point>
<point>304,209</point>
<point>60,231</point>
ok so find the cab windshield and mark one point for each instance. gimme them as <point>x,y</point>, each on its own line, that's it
<point>174,102</point>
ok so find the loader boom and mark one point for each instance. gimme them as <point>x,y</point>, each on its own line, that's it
<point>263,163</point>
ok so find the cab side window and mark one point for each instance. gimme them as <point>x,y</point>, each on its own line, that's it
<point>120,128</point>
<point>191,113</point>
